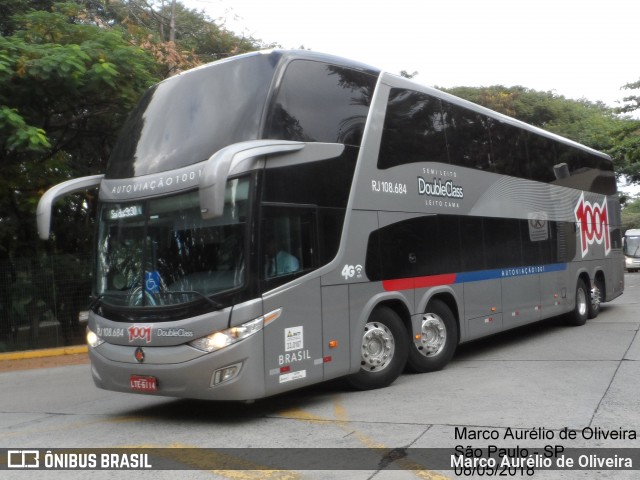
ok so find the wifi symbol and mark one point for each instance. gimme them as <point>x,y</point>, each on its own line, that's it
<point>359,271</point>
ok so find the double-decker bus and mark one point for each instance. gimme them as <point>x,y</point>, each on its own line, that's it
<point>282,218</point>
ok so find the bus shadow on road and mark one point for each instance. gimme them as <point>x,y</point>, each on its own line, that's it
<point>234,412</point>
<point>512,339</point>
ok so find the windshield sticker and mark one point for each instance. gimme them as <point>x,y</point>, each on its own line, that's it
<point>152,281</point>
<point>293,338</point>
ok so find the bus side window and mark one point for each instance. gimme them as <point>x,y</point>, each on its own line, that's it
<point>319,102</point>
<point>509,147</point>
<point>288,239</point>
<point>467,137</point>
<point>413,130</point>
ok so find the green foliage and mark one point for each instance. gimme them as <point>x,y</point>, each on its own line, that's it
<point>632,101</point>
<point>626,150</point>
<point>70,72</point>
<point>627,139</point>
<point>406,74</point>
<point>18,134</point>
<point>631,214</point>
<point>66,87</point>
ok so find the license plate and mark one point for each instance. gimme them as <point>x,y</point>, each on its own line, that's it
<point>141,383</point>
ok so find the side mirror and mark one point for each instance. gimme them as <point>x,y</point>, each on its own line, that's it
<point>43,213</point>
<point>228,160</point>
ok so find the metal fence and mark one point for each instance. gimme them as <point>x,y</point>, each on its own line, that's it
<point>40,301</point>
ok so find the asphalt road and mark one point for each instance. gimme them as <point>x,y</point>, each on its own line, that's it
<point>540,378</point>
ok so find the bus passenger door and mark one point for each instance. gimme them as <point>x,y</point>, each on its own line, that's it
<point>293,341</point>
<point>518,262</point>
<point>521,274</point>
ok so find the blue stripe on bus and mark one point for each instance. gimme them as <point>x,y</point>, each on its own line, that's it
<point>509,272</point>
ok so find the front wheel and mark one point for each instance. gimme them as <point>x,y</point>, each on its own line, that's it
<point>438,339</point>
<point>383,351</point>
<point>581,310</point>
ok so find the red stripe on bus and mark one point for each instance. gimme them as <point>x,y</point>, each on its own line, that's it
<point>418,282</point>
<point>435,280</point>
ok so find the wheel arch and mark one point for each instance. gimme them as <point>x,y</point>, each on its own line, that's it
<point>585,277</point>
<point>600,277</point>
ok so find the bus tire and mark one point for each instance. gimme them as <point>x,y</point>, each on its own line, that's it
<point>438,342</point>
<point>595,297</point>
<point>383,351</point>
<point>580,311</point>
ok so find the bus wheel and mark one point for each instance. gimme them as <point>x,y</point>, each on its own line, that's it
<point>597,293</point>
<point>438,339</point>
<point>581,310</point>
<point>383,351</point>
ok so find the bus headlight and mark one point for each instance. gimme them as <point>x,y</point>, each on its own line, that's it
<point>232,335</point>
<point>93,339</point>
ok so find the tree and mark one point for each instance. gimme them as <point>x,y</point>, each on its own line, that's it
<point>406,74</point>
<point>631,214</point>
<point>67,85</point>
<point>69,75</point>
<point>633,101</point>
<point>179,38</point>
<point>627,138</point>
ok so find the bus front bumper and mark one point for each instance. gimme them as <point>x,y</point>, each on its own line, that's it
<point>632,263</point>
<point>232,373</point>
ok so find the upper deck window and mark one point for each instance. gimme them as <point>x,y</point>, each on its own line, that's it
<point>413,130</point>
<point>319,102</point>
<point>419,127</point>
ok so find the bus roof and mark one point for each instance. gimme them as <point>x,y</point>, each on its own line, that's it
<point>410,83</point>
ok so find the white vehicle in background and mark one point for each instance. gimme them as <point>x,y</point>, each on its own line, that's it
<point>631,248</point>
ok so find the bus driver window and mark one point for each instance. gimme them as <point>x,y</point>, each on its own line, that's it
<point>278,261</point>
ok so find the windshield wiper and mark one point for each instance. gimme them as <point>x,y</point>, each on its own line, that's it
<point>95,301</point>
<point>216,305</point>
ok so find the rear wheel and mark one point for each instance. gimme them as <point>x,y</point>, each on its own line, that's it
<point>581,310</point>
<point>438,339</point>
<point>383,351</point>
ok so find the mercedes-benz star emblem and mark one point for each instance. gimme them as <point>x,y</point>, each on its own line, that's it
<point>139,355</point>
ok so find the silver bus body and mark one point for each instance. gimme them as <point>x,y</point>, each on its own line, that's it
<point>412,225</point>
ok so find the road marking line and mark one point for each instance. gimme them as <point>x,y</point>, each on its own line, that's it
<point>343,422</point>
<point>188,455</point>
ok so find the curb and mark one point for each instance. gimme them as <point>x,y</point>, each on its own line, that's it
<point>47,352</point>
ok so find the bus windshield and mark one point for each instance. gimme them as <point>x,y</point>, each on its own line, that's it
<point>187,118</point>
<point>160,252</point>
